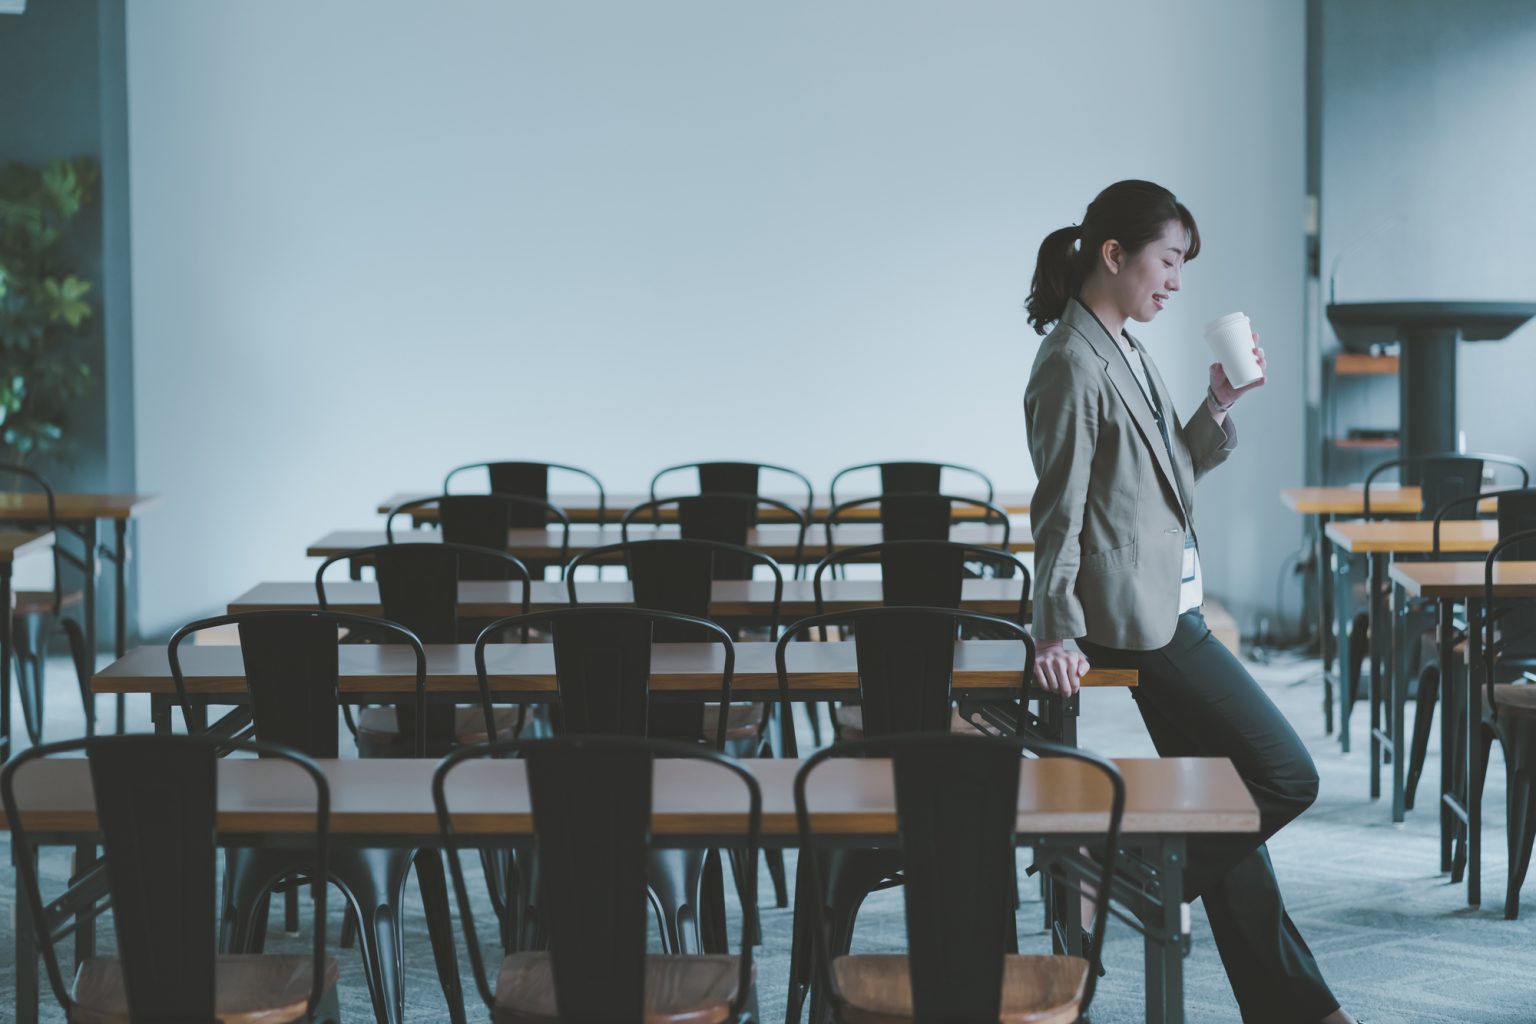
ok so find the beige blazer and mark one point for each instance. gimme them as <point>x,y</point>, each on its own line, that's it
<point>1111,509</point>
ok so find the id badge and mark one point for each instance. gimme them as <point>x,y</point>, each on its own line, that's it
<point>1189,558</point>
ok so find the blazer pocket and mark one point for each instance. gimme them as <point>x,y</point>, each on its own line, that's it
<point>1099,563</point>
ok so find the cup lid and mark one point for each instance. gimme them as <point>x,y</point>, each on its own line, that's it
<point>1224,321</point>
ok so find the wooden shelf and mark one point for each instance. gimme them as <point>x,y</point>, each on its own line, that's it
<point>1354,364</point>
<point>1365,442</point>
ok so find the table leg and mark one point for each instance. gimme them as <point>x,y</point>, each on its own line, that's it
<point>85,924</point>
<point>1373,659</point>
<point>1325,637</point>
<point>88,567</point>
<point>1398,671</point>
<point>1448,703</point>
<point>1472,738</point>
<point>1344,569</point>
<point>120,606</point>
<point>5,660</point>
<point>160,713</point>
<point>1164,954</point>
<point>26,948</point>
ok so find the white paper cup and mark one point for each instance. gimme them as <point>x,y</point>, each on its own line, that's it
<point>1231,339</point>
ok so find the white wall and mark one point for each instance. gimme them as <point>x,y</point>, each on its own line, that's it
<point>1427,123</point>
<point>374,239</point>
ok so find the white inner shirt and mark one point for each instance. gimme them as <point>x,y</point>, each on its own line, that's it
<point>1191,588</point>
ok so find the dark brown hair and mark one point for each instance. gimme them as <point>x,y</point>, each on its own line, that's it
<point>1132,213</point>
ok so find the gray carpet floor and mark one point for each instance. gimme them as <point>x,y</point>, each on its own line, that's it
<point>1394,937</point>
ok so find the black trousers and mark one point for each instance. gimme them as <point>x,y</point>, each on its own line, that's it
<point>1199,701</point>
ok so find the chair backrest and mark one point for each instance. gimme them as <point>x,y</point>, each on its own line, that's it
<point>916,515</point>
<point>482,521</point>
<point>957,800</point>
<point>927,573</point>
<point>910,477</point>
<point>603,672</point>
<point>906,660</point>
<point>736,478</point>
<point>11,470</point>
<point>591,800</point>
<point>156,808</point>
<point>1515,510</point>
<point>726,518</point>
<point>1442,477</point>
<point>292,669</point>
<point>678,576</point>
<point>419,583</point>
<point>1502,632</point>
<point>528,480</point>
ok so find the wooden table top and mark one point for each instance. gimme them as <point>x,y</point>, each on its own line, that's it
<point>1465,579</point>
<point>1349,500</point>
<point>1413,536</point>
<point>33,507</point>
<point>778,542</point>
<point>850,797</point>
<point>493,599</point>
<point>16,544</point>
<point>582,508</point>
<point>979,665</point>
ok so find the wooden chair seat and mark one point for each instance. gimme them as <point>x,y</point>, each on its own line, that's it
<point>40,602</point>
<point>850,723</point>
<point>743,720</point>
<point>248,989</point>
<point>1515,699</point>
<point>377,724</point>
<point>678,989</point>
<point>877,989</point>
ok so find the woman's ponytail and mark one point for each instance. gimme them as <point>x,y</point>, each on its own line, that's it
<point>1057,277</point>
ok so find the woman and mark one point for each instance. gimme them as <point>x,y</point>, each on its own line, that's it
<point>1117,562</point>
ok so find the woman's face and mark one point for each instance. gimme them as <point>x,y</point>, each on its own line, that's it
<point>1144,282</point>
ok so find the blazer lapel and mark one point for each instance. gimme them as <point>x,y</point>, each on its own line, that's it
<point>1184,469</point>
<point>1086,324</point>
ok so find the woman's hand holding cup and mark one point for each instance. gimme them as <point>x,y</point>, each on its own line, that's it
<point>1057,669</point>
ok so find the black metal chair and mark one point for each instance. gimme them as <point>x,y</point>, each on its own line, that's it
<point>292,671</point>
<point>592,813</point>
<point>905,661</point>
<point>603,685</point>
<point>419,589</point>
<point>930,573</point>
<point>727,518</point>
<point>957,816</point>
<point>913,515</point>
<point>910,477</point>
<point>737,478</point>
<point>1515,510</point>
<point>156,806</point>
<point>678,576</point>
<point>482,521</point>
<point>1509,672</point>
<point>34,615</point>
<point>529,480</point>
<point>1443,478</point>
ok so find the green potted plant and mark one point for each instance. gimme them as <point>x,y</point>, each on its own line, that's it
<point>43,306</point>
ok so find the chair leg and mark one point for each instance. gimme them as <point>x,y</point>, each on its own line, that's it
<point>432,880</point>
<point>291,910</point>
<point>775,862</point>
<point>801,949</point>
<point>28,643</point>
<point>373,882</point>
<point>675,880</point>
<point>1358,648</point>
<point>83,670</point>
<point>348,929</point>
<point>1423,717</point>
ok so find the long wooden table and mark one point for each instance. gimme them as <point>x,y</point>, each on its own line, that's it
<point>582,508</point>
<point>729,599</point>
<point>1062,806</point>
<point>1378,541</point>
<point>81,515</point>
<point>781,542</point>
<point>14,544</point>
<point>1448,583</point>
<point>984,670</point>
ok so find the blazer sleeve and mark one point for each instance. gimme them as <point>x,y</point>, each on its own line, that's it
<point>1062,406</point>
<point>1209,442</point>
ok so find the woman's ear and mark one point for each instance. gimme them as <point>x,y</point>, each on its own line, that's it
<point>1111,254</point>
